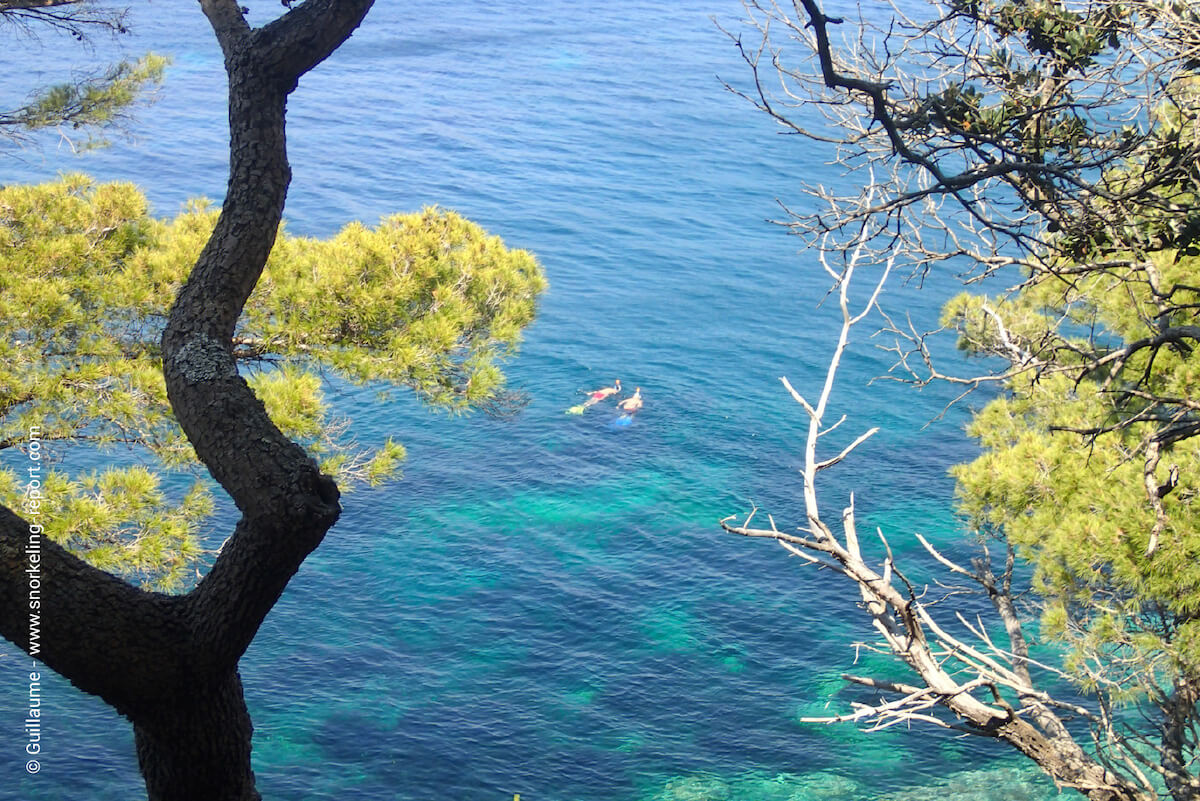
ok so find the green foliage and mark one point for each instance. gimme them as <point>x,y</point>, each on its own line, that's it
<point>1024,102</point>
<point>1167,154</point>
<point>1067,457</point>
<point>89,103</point>
<point>120,520</point>
<point>1047,103</point>
<point>1078,510</point>
<point>426,301</point>
<point>1090,462</point>
<point>1057,142</point>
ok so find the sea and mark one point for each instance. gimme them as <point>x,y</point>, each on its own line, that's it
<point>546,605</point>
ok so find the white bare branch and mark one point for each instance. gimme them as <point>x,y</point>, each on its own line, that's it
<point>956,157</point>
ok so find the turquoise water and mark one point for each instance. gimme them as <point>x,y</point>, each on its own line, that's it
<point>546,605</point>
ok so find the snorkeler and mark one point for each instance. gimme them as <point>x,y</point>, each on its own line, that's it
<point>633,403</point>
<point>598,395</point>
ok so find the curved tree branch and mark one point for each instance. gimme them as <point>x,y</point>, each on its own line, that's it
<point>287,504</point>
<point>170,663</point>
<point>110,639</point>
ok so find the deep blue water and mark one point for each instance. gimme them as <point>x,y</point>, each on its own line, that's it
<point>546,605</point>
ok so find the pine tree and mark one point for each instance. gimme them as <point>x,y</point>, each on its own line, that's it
<point>130,331</point>
<point>89,103</point>
<point>1053,146</point>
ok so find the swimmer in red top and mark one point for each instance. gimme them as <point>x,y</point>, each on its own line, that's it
<point>598,395</point>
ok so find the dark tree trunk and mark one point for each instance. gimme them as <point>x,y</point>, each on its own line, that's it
<point>169,664</point>
<point>1178,712</point>
<point>195,746</point>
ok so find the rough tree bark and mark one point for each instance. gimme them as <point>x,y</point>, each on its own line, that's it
<point>169,663</point>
